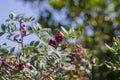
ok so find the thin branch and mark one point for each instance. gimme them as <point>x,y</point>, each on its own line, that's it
<point>22,45</point>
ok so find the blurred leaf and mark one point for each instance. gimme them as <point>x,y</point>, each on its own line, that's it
<point>7,20</point>
<point>110,48</point>
<point>3,27</point>
<point>1,33</point>
<point>12,15</point>
<point>36,43</point>
<point>64,30</point>
<point>32,42</point>
<point>95,60</point>
<point>12,50</point>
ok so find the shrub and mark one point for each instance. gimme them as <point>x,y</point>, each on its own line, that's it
<point>48,58</point>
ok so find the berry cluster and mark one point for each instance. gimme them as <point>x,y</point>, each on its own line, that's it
<point>58,38</point>
<point>53,43</point>
<point>79,48</point>
<point>17,40</point>
<point>77,57</point>
<point>23,33</point>
<point>23,30</point>
<point>14,65</point>
<point>78,53</point>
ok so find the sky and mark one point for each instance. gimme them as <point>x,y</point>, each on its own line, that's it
<point>18,7</point>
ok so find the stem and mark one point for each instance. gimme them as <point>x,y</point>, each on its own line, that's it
<point>22,45</point>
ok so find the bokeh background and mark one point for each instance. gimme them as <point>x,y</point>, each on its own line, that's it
<point>98,21</point>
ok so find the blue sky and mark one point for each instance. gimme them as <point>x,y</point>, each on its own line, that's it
<point>16,6</point>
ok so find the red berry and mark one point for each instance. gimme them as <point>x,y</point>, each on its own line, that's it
<point>53,43</point>
<point>72,55</point>
<point>15,39</point>
<point>4,62</point>
<point>59,37</point>
<point>30,67</point>
<point>11,70</point>
<point>24,32</point>
<point>21,66</point>
<point>82,55</point>
<point>9,62</point>
<point>65,46</point>
<point>23,25</point>
<point>79,47</point>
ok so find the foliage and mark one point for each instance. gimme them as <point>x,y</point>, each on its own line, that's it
<point>45,59</point>
<point>57,55</point>
<point>101,17</point>
<point>110,69</point>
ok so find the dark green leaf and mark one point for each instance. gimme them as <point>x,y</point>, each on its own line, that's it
<point>32,43</point>
<point>36,43</point>
<point>11,16</point>
<point>1,33</point>
<point>7,20</point>
<point>12,50</point>
<point>3,27</point>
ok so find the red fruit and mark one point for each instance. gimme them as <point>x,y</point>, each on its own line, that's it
<point>15,39</point>
<point>9,62</point>
<point>82,55</point>
<point>30,67</point>
<point>24,32</point>
<point>4,62</point>
<point>65,46</point>
<point>79,47</point>
<point>23,25</point>
<point>59,37</point>
<point>21,66</point>
<point>72,55</point>
<point>11,70</point>
<point>83,78</point>
<point>53,43</point>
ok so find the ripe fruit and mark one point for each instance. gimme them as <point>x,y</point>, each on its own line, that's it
<point>79,47</point>
<point>21,66</point>
<point>59,37</point>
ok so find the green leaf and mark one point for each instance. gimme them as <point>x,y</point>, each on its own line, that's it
<point>36,43</point>
<point>64,30</point>
<point>12,15</point>
<point>31,43</point>
<point>96,60</point>
<point>33,58</point>
<point>3,27</point>
<point>13,27</point>
<point>4,44</point>
<point>7,20</point>
<point>110,48</point>
<point>12,50</point>
<point>30,29</point>
<point>32,19</point>
<point>1,33</point>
